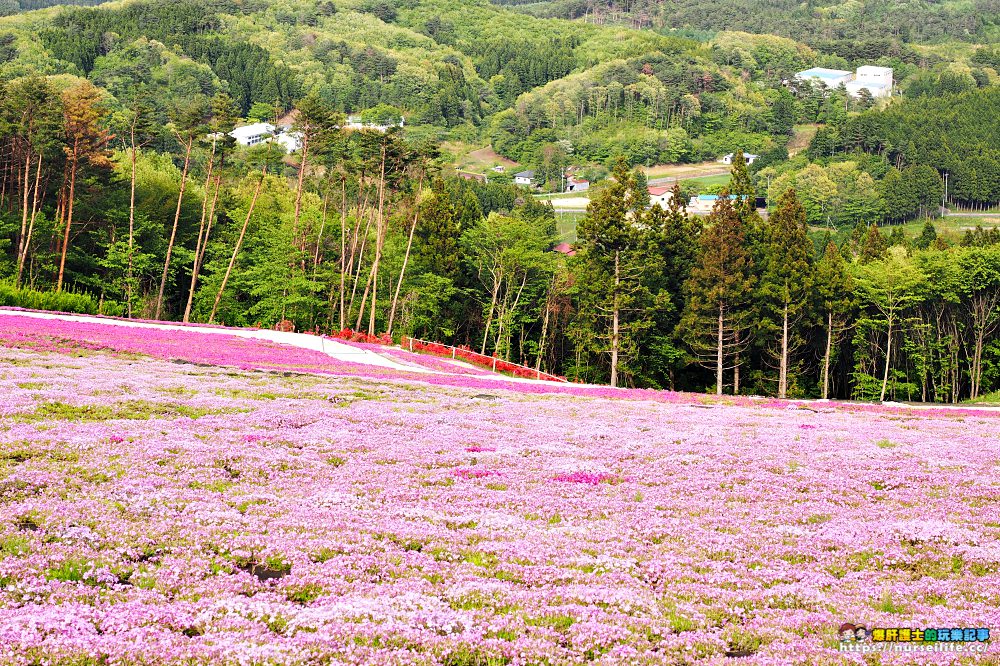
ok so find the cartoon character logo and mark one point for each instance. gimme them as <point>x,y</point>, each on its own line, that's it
<point>852,633</point>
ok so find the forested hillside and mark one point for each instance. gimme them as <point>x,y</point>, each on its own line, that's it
<point>848,21</point>
<point>122,191</point>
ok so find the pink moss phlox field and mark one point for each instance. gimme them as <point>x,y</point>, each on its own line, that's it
<point>164,513</point>
<point>193,347</point>
<point>585,477</point>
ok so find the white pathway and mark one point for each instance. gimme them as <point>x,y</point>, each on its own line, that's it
<point>332,348</point>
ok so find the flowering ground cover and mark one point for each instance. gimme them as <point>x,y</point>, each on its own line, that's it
<point>185,513</point>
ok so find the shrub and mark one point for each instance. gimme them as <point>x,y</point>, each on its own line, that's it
<point>57,301</point>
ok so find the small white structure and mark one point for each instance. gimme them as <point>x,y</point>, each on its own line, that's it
<point>577,185</point>
<point>748,157</point>
<point>290,141</point>
<point>704,203</point>
<point>251,135</point>
<point>524,178</point>
<point>660,195</point>
<point>354,122</point>
<point>499,168</point>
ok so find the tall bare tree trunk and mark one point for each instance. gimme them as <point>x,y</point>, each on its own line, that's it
<point>69,217</point>
<point>199,255</point>
<point>615,323</point>
<point>380,233</point>
<point>24,206</point>
<point>783,367</point>
<point>718,354</point>
<point>343,246</point>
<point>202,237</point>
<point>173,231</point>
<point>319,237</point>
<point>826,356</point>
<point>736,363</point>
<point>23,256</point>
<point>298,189</point>
<point>489,316</point>
<point>545,328</point>
<point>357,273</point>
<point>402,271</point>
<point>888,355</point>
<point>131,227</point>
<point>239,242</point>
<point>364,298</point>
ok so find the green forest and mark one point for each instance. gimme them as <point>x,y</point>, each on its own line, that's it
<point>122,191</point>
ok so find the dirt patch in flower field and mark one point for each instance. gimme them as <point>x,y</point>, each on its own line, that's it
<point>243,516</point>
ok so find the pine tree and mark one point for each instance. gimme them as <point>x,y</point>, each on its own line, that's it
<point>716,319</point>
<point>617,259</point>
<point>742,188</point>
<point>678,234</point>
<point>86,142</point>
<point>439,232</point>
<point>786,279</point>
<point>873,246</point>
<point>928,236</point>
<point>833,295</point>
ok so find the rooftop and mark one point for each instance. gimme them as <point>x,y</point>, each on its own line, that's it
<point>256,128</point>
<point>874,70</point>
<point>824,73</point>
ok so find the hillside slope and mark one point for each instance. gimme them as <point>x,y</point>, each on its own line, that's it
<point>165,513</point>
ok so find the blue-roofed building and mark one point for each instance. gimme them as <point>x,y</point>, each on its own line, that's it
<point>831,77</point>
<point>703,203</point>
<point>876,80</point>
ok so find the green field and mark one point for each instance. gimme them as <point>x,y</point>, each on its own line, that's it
<point>566,225</point>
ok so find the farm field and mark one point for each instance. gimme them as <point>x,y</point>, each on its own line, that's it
<point>242,502</point>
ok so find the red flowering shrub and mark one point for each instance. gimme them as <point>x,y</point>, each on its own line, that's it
<point>466,354</point>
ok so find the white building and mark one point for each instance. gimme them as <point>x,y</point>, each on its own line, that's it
<point>577,185</point>
<point>251,135</point>
<point>660,195</point>
<point>704,203</point>
<point>877,80</point>
<point>354,122</point>
<point>524,178</point>
<point>290,141</point>
<point>258,133</point>
<point>831,77</point>
<point>748,157</point>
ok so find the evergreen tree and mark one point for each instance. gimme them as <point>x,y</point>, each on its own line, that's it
<point>86,144</point>
<point>717,318</point>
<point>873,246</point>
<point>786,280</point>
<point>832,293</point>
<point>678,234</point>
<point>617,260</point>
<point>439,232</point>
